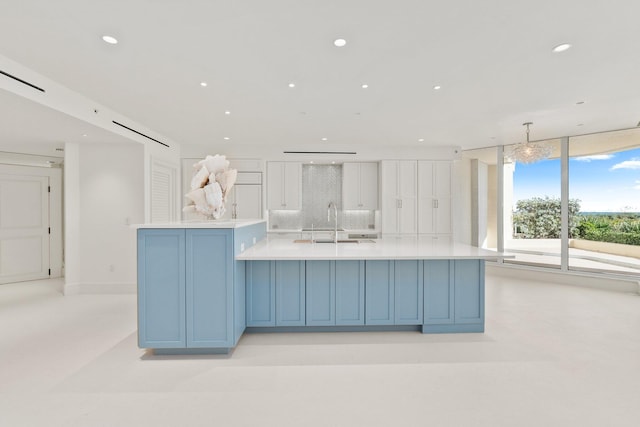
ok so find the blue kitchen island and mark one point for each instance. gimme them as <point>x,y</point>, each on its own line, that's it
<point>201,285</point>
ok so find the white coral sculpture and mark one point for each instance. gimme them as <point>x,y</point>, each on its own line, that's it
<point>211,182</point>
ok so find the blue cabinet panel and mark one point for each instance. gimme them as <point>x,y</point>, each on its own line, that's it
<point>239,301</point>
<point>261,293</point>
<point>408,292</point>
<point>349,292</point>
<point>161,288</point>
<point>438,292</point>
<point>209,288</point>
<point>320,293</point>
<point>290,293</point>
<point>379,293</point>
<point>244,236</point>
<point>469,292</point>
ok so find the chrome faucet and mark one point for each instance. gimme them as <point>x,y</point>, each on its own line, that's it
<point>335,213</point>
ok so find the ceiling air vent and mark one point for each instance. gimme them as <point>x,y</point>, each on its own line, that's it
<point>319,152</point>
<point>139,133</point>
<point>24,82</point>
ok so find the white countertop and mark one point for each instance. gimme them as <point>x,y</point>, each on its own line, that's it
<point>385,248</point>
<point>234,223</point>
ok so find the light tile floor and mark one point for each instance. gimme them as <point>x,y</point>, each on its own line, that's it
<point>552,355</point>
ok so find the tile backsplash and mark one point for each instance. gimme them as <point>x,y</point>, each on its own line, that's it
<point>321,185</point>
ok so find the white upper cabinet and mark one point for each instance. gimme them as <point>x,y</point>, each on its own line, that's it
<point>244,202</point>
<point>399,194</point>
<point>284,185</point>
<point>434,197</point>
<point>360,186</point>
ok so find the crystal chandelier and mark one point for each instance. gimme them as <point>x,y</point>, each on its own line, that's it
<point>530,152</point>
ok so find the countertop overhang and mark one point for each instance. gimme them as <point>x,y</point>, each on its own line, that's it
<point>386,248</point>
<point>234,223</point>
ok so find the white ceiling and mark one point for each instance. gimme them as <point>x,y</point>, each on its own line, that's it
<point>493,59</point>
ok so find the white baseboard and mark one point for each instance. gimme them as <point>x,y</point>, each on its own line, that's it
<point>99,288</point>
<point>587,280</point>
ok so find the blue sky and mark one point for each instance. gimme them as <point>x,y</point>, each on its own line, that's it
<point>603,183</point>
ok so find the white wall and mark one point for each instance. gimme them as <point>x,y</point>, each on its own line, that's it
<point>104,194</point>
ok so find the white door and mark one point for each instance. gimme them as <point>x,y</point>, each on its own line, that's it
<point>24,228</point>
<point>408,193</point>
<point>389,202</point>
<point>351,186</point>
<point>163,181</point>
<point>426,197</point>
<point>369,186</point>
<point>248,201</point>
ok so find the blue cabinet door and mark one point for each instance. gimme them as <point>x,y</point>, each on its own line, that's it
<point>320,293</point>
<point>349,286</point>
<point>290,293</point>
<point>379,293</point>
<point>209,288</point>
<point>161,288</point>
<point>469,291</point>
<point>408,292</point>
<point>261,293</point>
<point>239,300</point>
<point>438,292</point>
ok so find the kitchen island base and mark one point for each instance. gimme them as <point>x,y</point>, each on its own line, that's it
<point>201,286</point>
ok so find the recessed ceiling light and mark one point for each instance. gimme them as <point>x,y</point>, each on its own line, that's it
<point>324,139</point>
<point>561,47</point>
<point>364,86</point>
<point>421,140</point>
<point>84,134</point>
<point>333,163</point>
<point>292,85</point>
<point>226,138</point>
<point>339,42</point>
<point>311,162</point>
<point>110,39</point>
<point>203,84</point>
<point>437,87</point>
<point>227,112</point>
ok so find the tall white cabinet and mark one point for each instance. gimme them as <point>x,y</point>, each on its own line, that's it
<point>360,186</point>
<point>244,201</point>
<point>434,197</point>
<point>399,196</point>
<point>284,185</point>
<point>416,197</point>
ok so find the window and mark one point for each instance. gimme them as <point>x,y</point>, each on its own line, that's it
<point>604,181</point>
<point>532,213</point>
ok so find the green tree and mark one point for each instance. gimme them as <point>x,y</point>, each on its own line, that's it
<point>539,218</point>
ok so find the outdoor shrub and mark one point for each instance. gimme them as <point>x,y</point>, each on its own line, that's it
<point>539,218</point>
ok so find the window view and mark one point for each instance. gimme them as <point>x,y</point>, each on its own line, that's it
<point>604,184</point>
<point>532,207</point>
